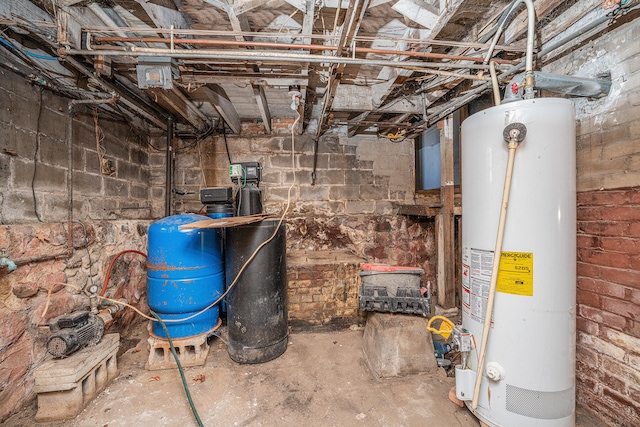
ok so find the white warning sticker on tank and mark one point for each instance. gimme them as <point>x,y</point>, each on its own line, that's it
<point>481,263</point>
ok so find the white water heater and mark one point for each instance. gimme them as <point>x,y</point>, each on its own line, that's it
<point>529,374</point>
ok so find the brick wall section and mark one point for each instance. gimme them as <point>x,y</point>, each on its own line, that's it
<point>608,166</point>
<point>608,324</point>
<point>323,289</point>
<point>24,119</point>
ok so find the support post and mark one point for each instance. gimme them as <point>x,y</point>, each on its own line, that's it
<point>445,220</point>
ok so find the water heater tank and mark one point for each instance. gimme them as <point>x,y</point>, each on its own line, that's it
<point>529,377</point>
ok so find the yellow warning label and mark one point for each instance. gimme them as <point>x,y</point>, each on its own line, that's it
<point>515,275</point>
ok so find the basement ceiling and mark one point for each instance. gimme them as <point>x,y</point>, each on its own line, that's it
<point>386,67</point>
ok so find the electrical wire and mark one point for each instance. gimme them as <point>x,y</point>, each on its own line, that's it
<point>86,245</point>
<point>226,146</point>
<point>26,52</point>
<point>180,369</point>
<point>35,158</point>
<point>108,274</point>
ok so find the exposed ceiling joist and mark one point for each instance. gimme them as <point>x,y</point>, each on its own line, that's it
<point>420,14</point>
<point>358,98</point>
<point>177,102</point>
<point>163,17</point>
<point>518,25</point>
<point>261,100</point>
<point>220,101</point>
<point>354,14</point>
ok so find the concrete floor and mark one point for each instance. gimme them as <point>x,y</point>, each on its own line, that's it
<point>321,380</point>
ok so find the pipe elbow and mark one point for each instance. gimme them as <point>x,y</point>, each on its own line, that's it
<point>6,262</point>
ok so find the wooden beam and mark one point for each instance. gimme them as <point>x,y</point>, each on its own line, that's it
<point>307,31</point>
<point>220,101</point>
<point>360,98</point>
<point>163,17</point>
<point>261,100</point>
<point>354,15</point>
<point>423,15</point>
<point>445,220</point>
<point>383,90</point>
<point>181,106</point>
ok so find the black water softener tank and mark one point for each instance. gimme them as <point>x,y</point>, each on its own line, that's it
<point>257,304</point>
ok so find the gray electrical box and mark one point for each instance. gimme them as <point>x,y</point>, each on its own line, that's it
<point>156,72</point>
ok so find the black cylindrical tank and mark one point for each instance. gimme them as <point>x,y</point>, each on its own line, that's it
<point>257,304</point>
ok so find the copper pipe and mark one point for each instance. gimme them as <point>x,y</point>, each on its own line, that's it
<point>289,46</point>
<point>359,38</point>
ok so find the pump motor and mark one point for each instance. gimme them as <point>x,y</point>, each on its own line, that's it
<point>74,331</point>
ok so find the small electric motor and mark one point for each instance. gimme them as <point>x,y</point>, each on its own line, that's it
<point>74,331</point>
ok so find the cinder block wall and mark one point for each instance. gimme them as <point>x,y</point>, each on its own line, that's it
<point>111,213</point>
<point>608,163</point>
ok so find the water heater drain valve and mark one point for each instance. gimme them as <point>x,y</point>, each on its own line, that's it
<point>494,371</point>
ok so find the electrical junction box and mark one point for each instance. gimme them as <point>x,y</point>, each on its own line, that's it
<point>216,195</point>
<point>156,72</point>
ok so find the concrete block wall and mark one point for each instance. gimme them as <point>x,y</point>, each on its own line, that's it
<point>111,213</point>
<point>34,160</point>
<point>364,175</point>
<point>608,181</point>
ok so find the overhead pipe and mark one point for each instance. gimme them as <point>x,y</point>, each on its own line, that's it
<point>108,87</point>
<point>354,51</point>
<point>70,113</point>
<point>264,56</point>
<point>494,83</point>
<point>252,34</point>
<point>471,95</point>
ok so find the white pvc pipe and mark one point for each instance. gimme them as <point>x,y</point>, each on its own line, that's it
<point>494,83</point>
<point>494,273</point>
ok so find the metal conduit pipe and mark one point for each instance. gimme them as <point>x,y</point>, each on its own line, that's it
<point>72,103</point>
<point>531,23</point>
<point>287,46</point>
<point>107,87</point>
<point>266,57</point>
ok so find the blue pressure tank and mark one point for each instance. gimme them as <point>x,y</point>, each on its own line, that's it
<point>185,274</point>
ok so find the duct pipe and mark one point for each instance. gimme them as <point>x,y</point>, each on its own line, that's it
<point>70,111</point>
<point>169,159</point>
<point>264,56</point>
<point>288,46</point>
